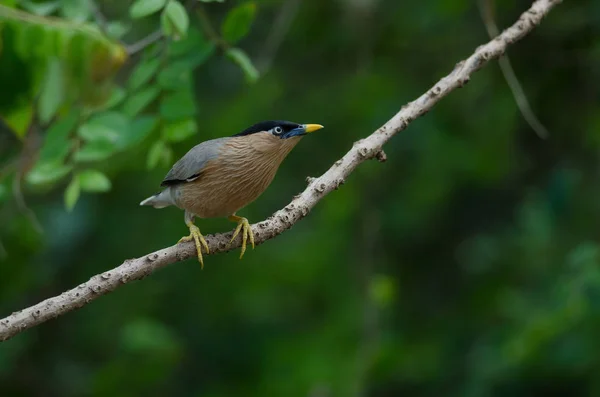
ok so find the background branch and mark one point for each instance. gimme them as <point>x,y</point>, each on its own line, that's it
<point>25,161</point>
<point>299,207</point>
<point>99,17</point>
<point>486,9</point>
<point>210,30</point>
<point>145,42</point>
<point>279,29</point>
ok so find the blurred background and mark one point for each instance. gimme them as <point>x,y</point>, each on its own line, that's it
<point>466,265</point>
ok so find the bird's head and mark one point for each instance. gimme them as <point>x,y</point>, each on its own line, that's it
<point>281,129</point>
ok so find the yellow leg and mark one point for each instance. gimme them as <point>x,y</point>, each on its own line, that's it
<point>244,226</point>
<point>198,239</point>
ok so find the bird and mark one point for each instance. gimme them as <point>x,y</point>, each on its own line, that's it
<point>218,177</point>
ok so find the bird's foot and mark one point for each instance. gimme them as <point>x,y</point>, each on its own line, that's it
<point>198,240</point>
<point>244,227</point>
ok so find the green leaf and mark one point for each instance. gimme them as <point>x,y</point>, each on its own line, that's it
<point>56,142</point>
<point>105,126</point>
<point>139,129</point>
<point>144,71</point>
<point>47,173</point>
<point>33,42</point>
<point>117,29</point>
<point>62,41</point>
<point>177,106</point>
<point>212,1</point>
<point>19,119</point>
<point>111,118</point>
<point>42,9</point>
<point>237,23</point>
<point>41,43</point>
<point>116,97</point>
<point>177,76</point>
<point>94,181</point>
<point>142,8</point>
<point>193,50</point>
<point>199,55</point>
<point>194,42</point>
<point>53,91</point>
<point>138,102</point>
<point>94,132</point>
<point>155,153</point>
<point>76,10</point>
<point>179,130</point>
<point>243,61</point>
<point>174,20</point>
<point>95,151</point>
<point>72,194</point>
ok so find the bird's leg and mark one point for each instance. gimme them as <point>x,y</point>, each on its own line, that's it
<point>196,236</point>
<point>244,226</point>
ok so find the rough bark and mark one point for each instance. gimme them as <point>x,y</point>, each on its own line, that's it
<point>363,150</point>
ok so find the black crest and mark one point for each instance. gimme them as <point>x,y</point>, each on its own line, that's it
<point>267,125</point>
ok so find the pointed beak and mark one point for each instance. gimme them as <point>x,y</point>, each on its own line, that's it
<point>302,129</point>
<point>308,128</point>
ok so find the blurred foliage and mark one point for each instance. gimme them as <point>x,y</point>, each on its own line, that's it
<point>72,64</point>
<point>466,265</point>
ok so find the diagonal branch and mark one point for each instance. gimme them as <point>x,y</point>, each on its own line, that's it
<point>299,207</point>
<point>279,29</point>
<point>145,42</point>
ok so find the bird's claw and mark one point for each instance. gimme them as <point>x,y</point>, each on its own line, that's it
<point>198,240</point>
<point>244,227</point>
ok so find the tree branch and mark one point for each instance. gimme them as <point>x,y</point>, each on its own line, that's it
<point>99,17</point>
<point>145,42</point>
<point>157,35</point>
<point>299,207</point>
<point>279,29</point>
<point>487,14</point>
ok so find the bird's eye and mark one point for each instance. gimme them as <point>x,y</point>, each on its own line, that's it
<point>277,130</point>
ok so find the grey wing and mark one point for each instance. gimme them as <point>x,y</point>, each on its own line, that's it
<point>190,166</point>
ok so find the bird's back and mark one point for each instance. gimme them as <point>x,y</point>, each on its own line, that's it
<point>234,176</point>
<point>191,165</point>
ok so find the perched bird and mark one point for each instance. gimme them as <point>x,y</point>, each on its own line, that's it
<point>219,177</point>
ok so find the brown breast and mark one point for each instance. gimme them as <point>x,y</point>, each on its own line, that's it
<point>245,167</point>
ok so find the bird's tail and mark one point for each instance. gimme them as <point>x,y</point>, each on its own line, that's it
<point>159,200</point>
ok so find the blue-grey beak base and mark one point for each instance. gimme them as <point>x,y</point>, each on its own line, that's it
<point>295,132</point>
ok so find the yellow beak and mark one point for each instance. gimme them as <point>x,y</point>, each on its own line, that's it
<point>308,128</point>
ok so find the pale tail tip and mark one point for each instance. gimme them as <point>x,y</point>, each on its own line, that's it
<point>145,202</point>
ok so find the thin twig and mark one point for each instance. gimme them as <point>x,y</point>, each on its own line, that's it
<point>145,42</point>
<point>210,30</point>
<point>28,156</point>
<point>22,205</point>
<point>299,207</point>
<point>155,36</point>
<point>99,17</point>
<point>279,30</point>
<point>486,10</point>
<point>8,168</point>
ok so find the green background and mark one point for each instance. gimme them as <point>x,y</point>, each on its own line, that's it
<point>465,265</point>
